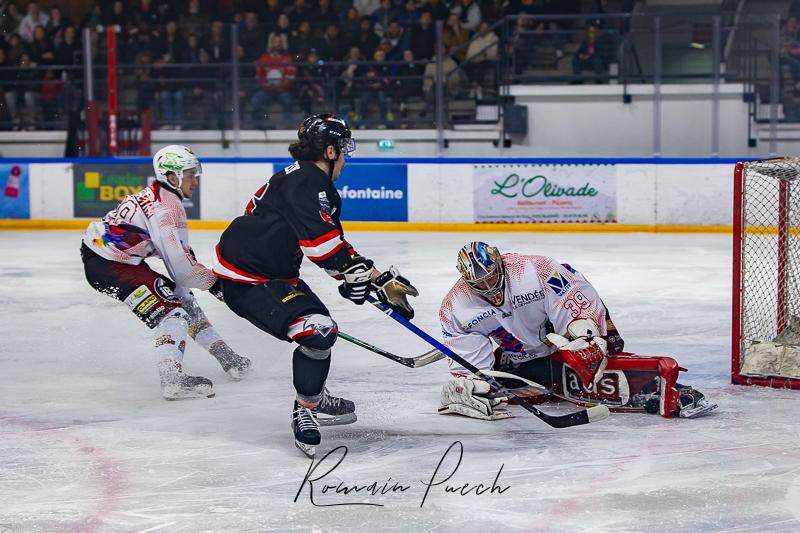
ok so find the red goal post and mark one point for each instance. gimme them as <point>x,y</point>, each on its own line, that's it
<point>766,273</point>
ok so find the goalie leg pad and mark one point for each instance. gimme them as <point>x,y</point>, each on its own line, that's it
<point>585,352</point>
<point>637,384</point>
<point>469,397</point>
<point>586,357</point>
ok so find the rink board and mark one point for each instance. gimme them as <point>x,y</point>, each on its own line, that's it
<point>675,195</point>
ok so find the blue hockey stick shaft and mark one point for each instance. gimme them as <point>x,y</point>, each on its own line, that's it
<point>584,416</point>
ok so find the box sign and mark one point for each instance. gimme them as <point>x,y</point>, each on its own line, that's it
<point>545,193</point>
<point>15,200</point>
<point>98,189</point>
<point>374,192</point>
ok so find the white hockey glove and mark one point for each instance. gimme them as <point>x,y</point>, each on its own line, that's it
<point>468,397</point>
<point>585,353</point>
<point>393,290</point>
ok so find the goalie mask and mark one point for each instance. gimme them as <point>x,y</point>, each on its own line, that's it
<point>482,269</point>
<point>175,159</point>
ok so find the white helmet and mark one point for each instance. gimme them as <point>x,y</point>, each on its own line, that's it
<point>175,158</point>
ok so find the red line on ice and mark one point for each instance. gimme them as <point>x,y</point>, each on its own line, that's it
<point>106,470</point>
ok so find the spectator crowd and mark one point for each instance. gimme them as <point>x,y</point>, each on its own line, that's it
<point>368,58</point>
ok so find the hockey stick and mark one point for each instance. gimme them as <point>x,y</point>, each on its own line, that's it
<point>528,383</point>
<point>411,362</point>
<point>584,416</point>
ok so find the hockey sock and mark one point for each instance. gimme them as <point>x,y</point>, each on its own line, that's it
<point>200,329</point>
<point>171,336</point>
<point>310,370</point>
<point>206,336</point>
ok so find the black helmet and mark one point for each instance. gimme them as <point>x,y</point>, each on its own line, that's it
<point>323,130</point>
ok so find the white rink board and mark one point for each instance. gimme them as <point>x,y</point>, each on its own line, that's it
<point>51,193</point>
<point>669,194</point>
<point>226,188</point>
<point>88,444</point>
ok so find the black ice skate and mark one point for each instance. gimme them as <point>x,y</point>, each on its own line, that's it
<point>334,411</point>
<point>176,385</point>
<point>306,429</point>
<point>236,366</point>
<point>693,403</point>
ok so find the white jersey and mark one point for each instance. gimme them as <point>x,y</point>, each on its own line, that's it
<point>538,290</point>
<point>150,223</point>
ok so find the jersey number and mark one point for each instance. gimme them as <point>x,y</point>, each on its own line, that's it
<point>576,303</point>
<point>251,205</point>
<point>123,213</point>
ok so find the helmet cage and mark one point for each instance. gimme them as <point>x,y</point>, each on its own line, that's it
<point>346,145</point>
<point>481,268</point>
<point>486,286</point>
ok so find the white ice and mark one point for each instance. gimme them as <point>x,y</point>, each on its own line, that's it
<point>87,443</point>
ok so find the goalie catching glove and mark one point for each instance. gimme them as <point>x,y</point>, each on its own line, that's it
<point>585,351</point>
<point>470,397</point>
<point>393,290</point>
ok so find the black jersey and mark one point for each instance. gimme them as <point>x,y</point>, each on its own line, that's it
<point>295,213</point>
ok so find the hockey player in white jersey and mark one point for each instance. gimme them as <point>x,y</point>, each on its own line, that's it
<point>541,320</point>
<point>152,223</point>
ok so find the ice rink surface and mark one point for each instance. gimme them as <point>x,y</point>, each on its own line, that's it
<point>87,443</point>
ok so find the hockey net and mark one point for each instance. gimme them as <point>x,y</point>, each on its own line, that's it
<point>766,273</point>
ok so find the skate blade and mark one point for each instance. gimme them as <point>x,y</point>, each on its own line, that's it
<point>238,374</point>
<point>308,449</point>
<point>337,420</point>
<point>697,411</point>
<point>188,395</point>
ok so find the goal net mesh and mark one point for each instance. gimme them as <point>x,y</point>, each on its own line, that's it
<point>770,269</point>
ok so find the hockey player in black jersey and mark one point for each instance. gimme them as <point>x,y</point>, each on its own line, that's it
<point>294,214</point>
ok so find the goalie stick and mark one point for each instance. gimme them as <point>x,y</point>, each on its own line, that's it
<point>584,416</point>
<point>412,362</point>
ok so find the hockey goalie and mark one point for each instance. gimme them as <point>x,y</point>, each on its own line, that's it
<point>541,329</point>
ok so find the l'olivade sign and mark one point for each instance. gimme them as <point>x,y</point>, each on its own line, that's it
<point>545,193</point>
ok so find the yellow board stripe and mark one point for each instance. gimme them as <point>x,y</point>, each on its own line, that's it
<point>76,224</point>
<point>770,230</point>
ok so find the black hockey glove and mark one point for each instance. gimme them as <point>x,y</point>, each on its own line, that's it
<point>357,280</point>
<point>393,289</point>
<point>216,290</point>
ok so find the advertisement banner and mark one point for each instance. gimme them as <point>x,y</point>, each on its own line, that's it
<point>15,202</point>
<point>545,193</point>
<point>99,188</point>
<point>374,192</point>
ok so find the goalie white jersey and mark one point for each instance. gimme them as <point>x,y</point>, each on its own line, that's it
<point>150,223</point>
<point>538,291</point>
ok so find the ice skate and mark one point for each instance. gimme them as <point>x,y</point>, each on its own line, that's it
<point>176,385</point>
<point>236,366</point>
<point>306,429</point>
<point>334,411</point>
<point>693,402</point>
